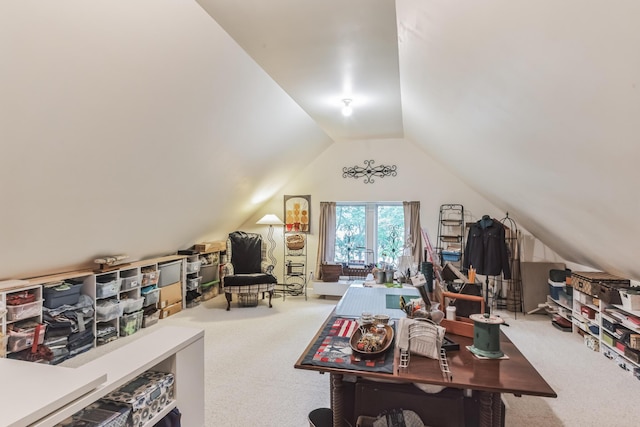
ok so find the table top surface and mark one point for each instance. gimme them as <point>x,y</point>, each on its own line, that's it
<point>513,374</point>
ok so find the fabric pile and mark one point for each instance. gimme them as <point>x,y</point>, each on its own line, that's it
<point>69,329</point>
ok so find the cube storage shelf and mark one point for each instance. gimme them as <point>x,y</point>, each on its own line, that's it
<point>609,328</point>
<point>125,298</point>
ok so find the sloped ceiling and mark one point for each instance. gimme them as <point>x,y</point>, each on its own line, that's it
<point>113,113</point>
<point>532,103</point>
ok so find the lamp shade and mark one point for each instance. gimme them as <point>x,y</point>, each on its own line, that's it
<point>270,219</point>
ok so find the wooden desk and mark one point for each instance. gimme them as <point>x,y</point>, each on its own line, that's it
<point>489,378</point>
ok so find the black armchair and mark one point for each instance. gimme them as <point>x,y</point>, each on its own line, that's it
<point>246,272</point>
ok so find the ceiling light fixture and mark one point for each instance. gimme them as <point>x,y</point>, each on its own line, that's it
<point>347,110</point>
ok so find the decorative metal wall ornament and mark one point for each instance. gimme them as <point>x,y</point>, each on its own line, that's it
<point>369,171</point>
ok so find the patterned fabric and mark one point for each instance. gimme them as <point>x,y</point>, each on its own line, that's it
<point>332,349</point>
<point>250,289</point>
<point>227,268</point>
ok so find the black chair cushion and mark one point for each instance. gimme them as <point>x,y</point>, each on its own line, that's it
<point>249,279</point>
<point>246,252</point>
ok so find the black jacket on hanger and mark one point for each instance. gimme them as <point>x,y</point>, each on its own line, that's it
<point>486,249</point>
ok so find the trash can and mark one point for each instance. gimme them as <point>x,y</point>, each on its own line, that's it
<point>321,417</point>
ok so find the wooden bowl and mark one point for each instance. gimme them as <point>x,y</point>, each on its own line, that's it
<point>357,334</point>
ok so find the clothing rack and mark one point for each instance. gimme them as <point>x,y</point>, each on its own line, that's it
<point>514,285</point>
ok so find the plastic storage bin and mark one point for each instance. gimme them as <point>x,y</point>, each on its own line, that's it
<point>150,319</point>
<point>169,273</point>
<point>452,256</point>
<point>130,323</point>
<point>129,305</point>
<point>209,273</point>
<point>130,282</point>
<point>63,294</point>
<point>193,267</point>
<point>193,283</point>
<point>151,295</point>
<point>107,287</point>
<point>24,311</point>
<point>23,338</point>
<point>108,310</point>
<point>150,277</point>
<point>555,288</point>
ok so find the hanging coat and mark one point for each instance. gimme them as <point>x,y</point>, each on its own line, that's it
<point>486,250</point>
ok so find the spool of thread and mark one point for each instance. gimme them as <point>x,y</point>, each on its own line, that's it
<point>451,312</point>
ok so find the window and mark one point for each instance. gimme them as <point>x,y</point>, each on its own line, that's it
<point>369,233</point>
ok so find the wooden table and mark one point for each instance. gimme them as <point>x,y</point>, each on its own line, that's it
<point>489,378</point>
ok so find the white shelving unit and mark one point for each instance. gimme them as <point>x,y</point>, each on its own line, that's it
<point>623,320</point>
<point>20,317</point>
<point>119,286</point>
<point>609,328</point>
<point>176,350</point>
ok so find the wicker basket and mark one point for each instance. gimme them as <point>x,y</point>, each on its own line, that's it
<point>331,272</point>
<point>295,242</point>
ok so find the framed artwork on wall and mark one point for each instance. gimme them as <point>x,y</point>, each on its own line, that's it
<point>297,213</point>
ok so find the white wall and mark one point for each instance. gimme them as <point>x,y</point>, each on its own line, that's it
<point>132,127</point>
<point>419,178</point>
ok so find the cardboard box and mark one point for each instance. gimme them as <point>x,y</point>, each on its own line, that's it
<point>217,246</point>
<point>170,310</point>
<point>170,294</point>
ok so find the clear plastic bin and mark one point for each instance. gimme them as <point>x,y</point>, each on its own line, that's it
<point>151,297</point>
<point>150,319</point>
<point>130,323</point>
<point>22,339</point>
<point>193,267</point>
<point>130,282</point>
<point>150,277</point>
<point>108,288</point>
<point>24,311</point>
<point>108,310</point>
<point>193,283</point>
<point>130,305</point>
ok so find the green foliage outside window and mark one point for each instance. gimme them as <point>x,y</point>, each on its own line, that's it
<point>356,244</point>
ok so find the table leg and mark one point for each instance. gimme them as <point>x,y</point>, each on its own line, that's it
<point>490,409</point>
<point>337,399</point>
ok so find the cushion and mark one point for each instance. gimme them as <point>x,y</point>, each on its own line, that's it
<point>246,250</point>
<point>249,279</point>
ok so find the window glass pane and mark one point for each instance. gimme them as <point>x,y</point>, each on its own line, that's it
<point>350,232</point>
<point>390,233</point>
<point>369,233</point>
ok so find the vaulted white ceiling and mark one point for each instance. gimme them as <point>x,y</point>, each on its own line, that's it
<point>107,106</point>
<point>532,103</point>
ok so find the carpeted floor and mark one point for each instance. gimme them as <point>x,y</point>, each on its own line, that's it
<point>250,379</point>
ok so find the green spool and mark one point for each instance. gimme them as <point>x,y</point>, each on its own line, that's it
<point>486,336</point>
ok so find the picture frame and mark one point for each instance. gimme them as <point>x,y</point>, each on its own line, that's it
<point>297,214</point>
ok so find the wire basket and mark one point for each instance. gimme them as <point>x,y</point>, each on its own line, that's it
<point>425,338</point>
<point>248,300</point>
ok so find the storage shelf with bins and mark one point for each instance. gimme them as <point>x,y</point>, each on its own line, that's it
<point>295,264</point>
<point>451,231</point>
<point>619,324</point>
<point>210,274</point>
<point>21,316</point>
<point>193,280</point>
<point>611,329</point>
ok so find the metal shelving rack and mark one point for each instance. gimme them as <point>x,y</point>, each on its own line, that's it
<point>451,234</point>
<point>295,269</point>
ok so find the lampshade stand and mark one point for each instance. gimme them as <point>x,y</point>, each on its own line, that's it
<point>270,220</point>
<point>272,246</point>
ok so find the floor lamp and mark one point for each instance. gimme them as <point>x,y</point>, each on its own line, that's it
<point>270,220</point>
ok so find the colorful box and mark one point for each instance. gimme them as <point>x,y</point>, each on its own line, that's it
<point>146,395</point>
